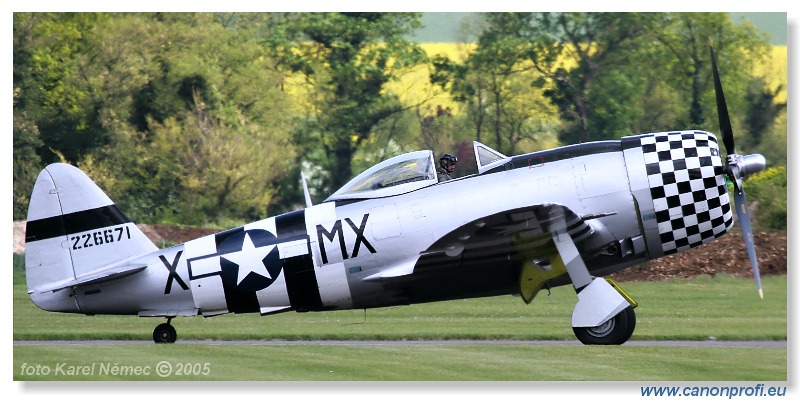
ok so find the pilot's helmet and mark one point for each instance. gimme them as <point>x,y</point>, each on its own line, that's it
<point>448,162</point>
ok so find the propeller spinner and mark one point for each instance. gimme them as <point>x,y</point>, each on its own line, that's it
<point>737,168</point>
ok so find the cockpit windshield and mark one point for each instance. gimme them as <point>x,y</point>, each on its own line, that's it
<point>486,157</point>
<point>397,175</point>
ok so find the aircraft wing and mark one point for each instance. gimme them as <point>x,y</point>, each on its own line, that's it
<point>516,246</point>
<point>519,234</point>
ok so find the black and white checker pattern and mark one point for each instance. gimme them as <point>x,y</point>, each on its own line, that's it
<point>687,184</point>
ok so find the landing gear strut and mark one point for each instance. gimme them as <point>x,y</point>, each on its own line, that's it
<point>604,313</point>
<point>165,333</point>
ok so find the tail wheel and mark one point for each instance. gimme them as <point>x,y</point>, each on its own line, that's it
<point>165,333</point>
<point>616,330</point>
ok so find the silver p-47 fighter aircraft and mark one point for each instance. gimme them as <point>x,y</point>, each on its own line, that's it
<point>393,235</point>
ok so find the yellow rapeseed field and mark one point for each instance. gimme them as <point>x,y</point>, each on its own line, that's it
<point>414,87</point>
<point>775,70</point>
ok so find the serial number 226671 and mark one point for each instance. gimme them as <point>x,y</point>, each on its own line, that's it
<point>100,237</point>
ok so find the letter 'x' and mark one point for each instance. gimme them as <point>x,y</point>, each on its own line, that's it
<point>173,275</point>
<point>359,231</point>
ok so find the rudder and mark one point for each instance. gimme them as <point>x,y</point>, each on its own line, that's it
<point>74,229</point>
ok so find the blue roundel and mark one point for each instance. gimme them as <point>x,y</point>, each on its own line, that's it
<point>255,280</point>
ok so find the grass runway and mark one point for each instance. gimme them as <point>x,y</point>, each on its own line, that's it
<point>400,363</point>
<point>719,308</point>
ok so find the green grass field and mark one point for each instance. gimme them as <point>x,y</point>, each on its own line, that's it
<point>404,363</point>
<point>721,308</point>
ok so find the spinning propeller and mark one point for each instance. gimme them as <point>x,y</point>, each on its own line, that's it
<point>737,168</point>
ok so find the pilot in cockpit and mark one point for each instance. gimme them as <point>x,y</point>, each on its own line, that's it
<point>447,163</point>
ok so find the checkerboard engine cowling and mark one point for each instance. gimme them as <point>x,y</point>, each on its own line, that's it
<point>687,184</point>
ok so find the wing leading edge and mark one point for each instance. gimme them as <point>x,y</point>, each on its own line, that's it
<point>519,234</point>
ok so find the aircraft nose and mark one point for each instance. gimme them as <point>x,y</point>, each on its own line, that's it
<point>687,185</point>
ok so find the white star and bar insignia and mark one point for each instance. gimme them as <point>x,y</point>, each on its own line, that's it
<point>250,259</point>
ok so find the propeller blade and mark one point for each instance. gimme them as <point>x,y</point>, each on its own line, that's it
<point>743,215</point>
<point>737,168</point>
<point>722,109</point>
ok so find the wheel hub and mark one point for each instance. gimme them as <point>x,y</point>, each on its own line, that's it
<point>602,330</point>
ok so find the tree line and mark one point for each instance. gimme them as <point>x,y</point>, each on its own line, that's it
<point>203,118</point>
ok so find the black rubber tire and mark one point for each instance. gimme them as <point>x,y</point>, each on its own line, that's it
<point>616,330</point>
<point>165,333</point>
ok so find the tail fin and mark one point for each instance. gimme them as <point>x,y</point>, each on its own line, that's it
<point>73,231</point>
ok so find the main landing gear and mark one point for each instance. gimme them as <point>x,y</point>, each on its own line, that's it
<point>616,330</point>
<point>604,313</point>
<point>165,333</point>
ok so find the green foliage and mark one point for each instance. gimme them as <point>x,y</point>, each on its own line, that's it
<point>774,144</point>
<point>615,114</point>
<point>18,268</point>
<point>684,58</point>
<point>493,83</point>
<point>762,109</point>
<point>50,50</point>
<point>600,69</point>
<point>197,118</point>
<point>26,162</point>
<point>767,194</point>
<point>194,125</point>
<point>439,131</point>
<point>591,65</point>
<point>349,58</point>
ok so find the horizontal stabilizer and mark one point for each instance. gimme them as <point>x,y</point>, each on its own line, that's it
<point>92,278</point>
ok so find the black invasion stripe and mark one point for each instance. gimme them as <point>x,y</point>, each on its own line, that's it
<point>74,223</point>
<point>301,281</point>
<point>237,301</point>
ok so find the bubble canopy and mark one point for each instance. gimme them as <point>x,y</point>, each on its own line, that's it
<point>401,174</point>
